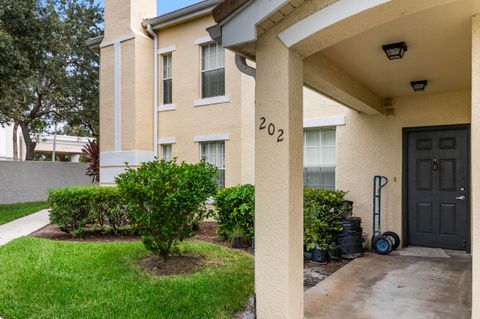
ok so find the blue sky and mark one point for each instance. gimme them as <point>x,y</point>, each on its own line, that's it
<point>165,6</point>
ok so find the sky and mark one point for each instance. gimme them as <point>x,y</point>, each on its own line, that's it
<point>165,6</point>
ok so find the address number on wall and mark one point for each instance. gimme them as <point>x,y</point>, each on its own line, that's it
<point>271,129</point>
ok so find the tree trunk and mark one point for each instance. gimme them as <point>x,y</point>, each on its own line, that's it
<point>15,141</point>
<point>29,144</point>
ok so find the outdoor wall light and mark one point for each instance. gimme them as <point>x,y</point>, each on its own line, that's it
<point>395,51</point>
<point>419,86</point>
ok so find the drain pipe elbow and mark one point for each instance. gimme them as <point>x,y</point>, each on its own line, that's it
<point>155,89</point>
<point>243,67</point>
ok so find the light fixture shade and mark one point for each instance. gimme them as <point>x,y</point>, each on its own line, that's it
<point>419,86</point>
<point>395,51</point>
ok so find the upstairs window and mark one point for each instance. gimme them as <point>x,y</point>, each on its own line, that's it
<point>320,158</point>
<point>167,78</point>
<point>213,70</point>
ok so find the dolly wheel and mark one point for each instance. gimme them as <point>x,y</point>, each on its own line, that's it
<point>394,238</point>
<point>382,245</point>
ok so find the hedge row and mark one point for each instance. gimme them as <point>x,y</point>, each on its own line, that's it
<point>76,209</point>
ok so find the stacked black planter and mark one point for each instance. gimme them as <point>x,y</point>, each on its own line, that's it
<point>349,239</point>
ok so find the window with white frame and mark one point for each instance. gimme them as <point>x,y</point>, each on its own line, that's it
<point>214,153</point>
<point>320,158</point>
<point>167,78</point>
<point>167,152</point>
<point>213,70</point>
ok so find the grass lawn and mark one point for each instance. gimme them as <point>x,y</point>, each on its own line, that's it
<point>51,279</point>
<point>14,211</point>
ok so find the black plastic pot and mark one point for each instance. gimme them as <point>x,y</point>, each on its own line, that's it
<point>238,242</point>
<point>319,255</point>
<point>333,253</point>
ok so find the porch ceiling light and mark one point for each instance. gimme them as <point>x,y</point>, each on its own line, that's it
<point>395,51</point>
<point>419,86</point>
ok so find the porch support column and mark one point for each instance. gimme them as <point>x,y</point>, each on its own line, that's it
<point>475,170</point>
<point>279,181</point>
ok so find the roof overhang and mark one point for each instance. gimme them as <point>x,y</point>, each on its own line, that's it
<point>183,15</point>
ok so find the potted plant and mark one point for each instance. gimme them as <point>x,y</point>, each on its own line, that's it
<point>320,252</point>
<point>237,237</point>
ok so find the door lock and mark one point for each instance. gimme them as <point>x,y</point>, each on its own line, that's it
<point>461,197</point>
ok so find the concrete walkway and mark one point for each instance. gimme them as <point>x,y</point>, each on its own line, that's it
<point>400,286</point>
<point>23,226</point>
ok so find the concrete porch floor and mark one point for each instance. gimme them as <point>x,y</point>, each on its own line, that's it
<point>408,284</point>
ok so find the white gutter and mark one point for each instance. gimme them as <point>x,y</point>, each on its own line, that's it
<point>155,89</point>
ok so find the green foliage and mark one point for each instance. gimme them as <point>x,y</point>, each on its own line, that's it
<point>322,214</point>
<point>165,199</point>
<point>98,208</point>
<point>47,74</point>
<point>235,207</point>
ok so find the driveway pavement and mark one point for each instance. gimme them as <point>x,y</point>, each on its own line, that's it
<point>410,284</point>
<point>23,226</point>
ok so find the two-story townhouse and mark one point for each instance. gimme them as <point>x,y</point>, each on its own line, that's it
<point>188,100</point>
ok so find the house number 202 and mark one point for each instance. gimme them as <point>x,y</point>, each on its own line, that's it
<point>271,129</point>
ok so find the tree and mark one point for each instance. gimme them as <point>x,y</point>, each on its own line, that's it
<point>165,199</point>
<point>45,71</point>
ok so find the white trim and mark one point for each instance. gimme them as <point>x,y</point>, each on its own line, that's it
<point>167,140</point>
<point>117,122</point>
<point>211,138</point>
<point>168,49</point>
<point>118,159</point>
<point>212,100</point>
<point>242,28</point>
<point>325,122</point>
<point>107,175</point>
<point>118,40</point>
<point>202,40</point>
<point>324,18</point>
<point>181,19</point>
<point>167,107</point>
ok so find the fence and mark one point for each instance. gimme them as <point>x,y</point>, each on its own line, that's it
<point>30,181</point>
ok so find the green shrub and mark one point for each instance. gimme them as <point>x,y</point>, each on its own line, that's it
<point>165,199</point>
<point>76,208</point>
<point>235,208</point>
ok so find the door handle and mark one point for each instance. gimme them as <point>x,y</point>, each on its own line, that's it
<point>461,197</point>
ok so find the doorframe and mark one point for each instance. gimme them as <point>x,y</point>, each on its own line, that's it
<point>406,132</point>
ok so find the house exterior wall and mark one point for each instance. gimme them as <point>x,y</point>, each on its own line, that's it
<point>187,120</point>
<point>370,145</point>
<point>6,143</point>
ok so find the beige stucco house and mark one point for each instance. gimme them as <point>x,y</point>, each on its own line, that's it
<point>407,76</point>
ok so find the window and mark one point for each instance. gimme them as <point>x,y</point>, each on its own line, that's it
<point>214,153</point>
<point>320,158</point>
<point>167,152</point>
<point>167,78</point>
<point>213,70</point>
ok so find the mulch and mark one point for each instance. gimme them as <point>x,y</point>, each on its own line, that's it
<point>53,232</point>
<point>173,266</point>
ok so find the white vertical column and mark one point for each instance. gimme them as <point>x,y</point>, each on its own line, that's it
<point>279,181</point>
<point>117,93</point>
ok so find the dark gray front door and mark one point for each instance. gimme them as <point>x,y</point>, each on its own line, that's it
<point>437,193</point>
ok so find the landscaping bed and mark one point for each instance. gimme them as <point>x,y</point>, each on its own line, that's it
<point>58,279</point>
<point>11,212</point>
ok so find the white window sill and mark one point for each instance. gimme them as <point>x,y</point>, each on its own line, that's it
<point>212,100</point>
<point>167,107</point>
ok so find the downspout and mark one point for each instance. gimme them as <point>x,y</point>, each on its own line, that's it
<point>243,67</point>
<point>155,89</point>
